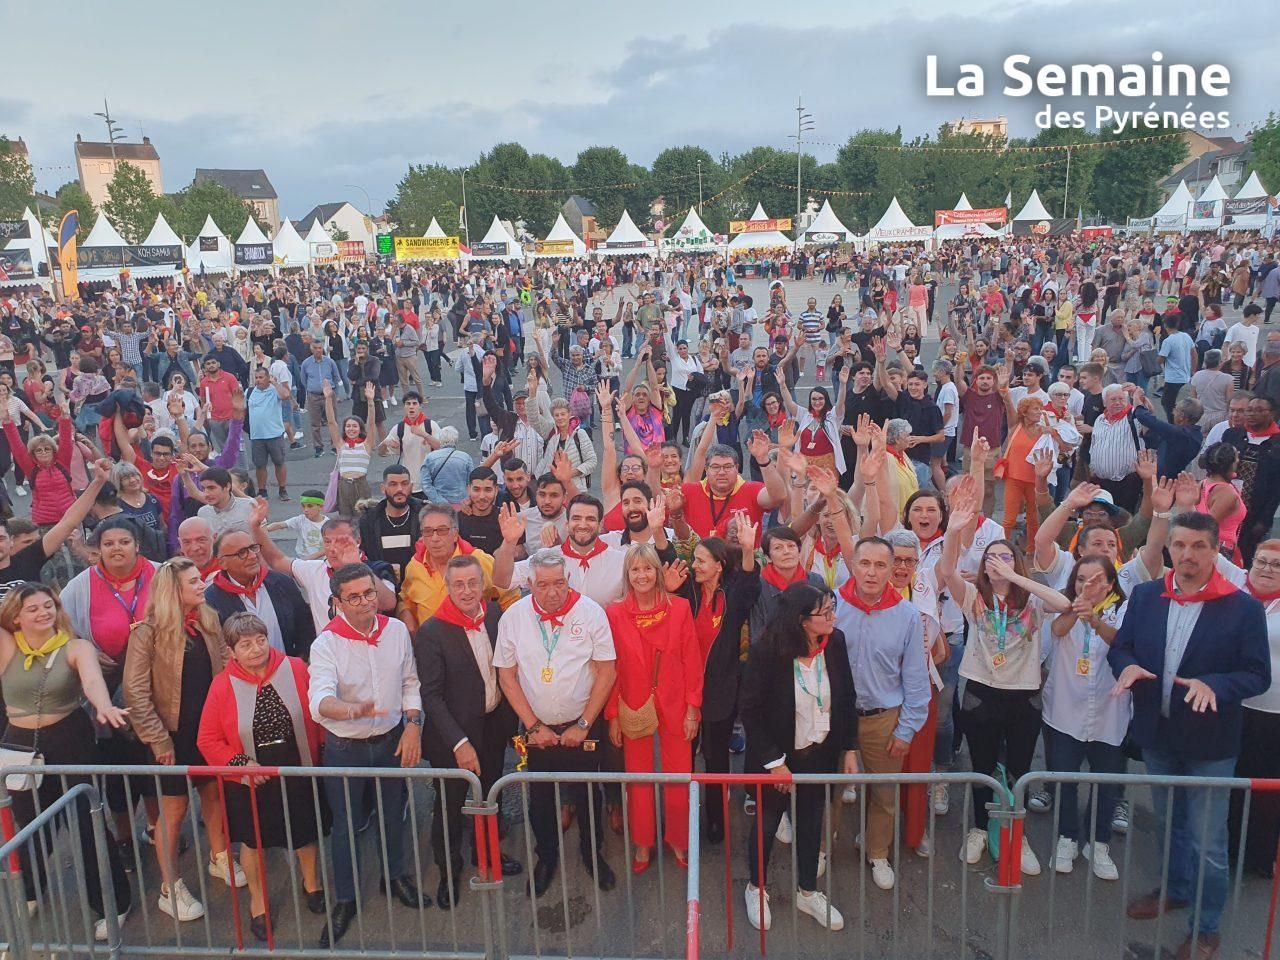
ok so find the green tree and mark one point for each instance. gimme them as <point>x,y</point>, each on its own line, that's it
<point>674,176</point>
<point>1266,152</point>
<point>131,203</point>
<point>598,168</point>
<point>426,191</point>
<point>193,205</point>
<point>864,168</point>
<point>1126,179</point>
<point>72,196</point>
<point>508,182</point>
<point>17,181</point>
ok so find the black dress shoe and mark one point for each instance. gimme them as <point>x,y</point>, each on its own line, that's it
<point>315,901</point>
<point>344,911</point>
<point>258,927</point>
<point>447,899</point>
<point>544,871</point>
<point>406,891</point>
<point>715,832</point>
<point>603,873</point>
<point>511,867</point>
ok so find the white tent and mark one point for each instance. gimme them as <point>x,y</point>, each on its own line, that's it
<point>896,227</point>
<point>252,233</point>
<point>161,235</point>
<point>217,260</point>
<point>497,235</point>
<point>693,235</point>
<point>32,244</point>
<point>1033,209</point>
<point>626,239</point>
<point>955,231</point>
<point>434,230</point>
<point>760,239</point>
<point>290,249</point>
<point>1173,215</point>
<point>320,246</point>
<point>1252,190</point>
<point>826,228</point>
<point>102,236</point>
<point>562,231</point>
<point>1214,194</point>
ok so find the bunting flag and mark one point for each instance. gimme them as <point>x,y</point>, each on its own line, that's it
<point>67,254</point>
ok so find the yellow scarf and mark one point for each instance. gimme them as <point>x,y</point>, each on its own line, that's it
<point>59,639</point>
<point>1110,600</point>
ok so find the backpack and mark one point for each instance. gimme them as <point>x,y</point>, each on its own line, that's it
<point>580,405</point>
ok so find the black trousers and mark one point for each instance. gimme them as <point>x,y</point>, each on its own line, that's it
<point>806,825</point>
<point>998,723</point>
<point>715,758</point>
<point>451,795</point>
<point>1126,492</point>
<point>680,415</point>
<point>586,799</point>
<point>1258,758</point>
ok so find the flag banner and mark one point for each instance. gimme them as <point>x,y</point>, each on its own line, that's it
<point>553,248</point>
<point>427,248</point>
<point>492,248</point>
<point>96,258</point>
<point>821,237</point>
<point>1091,233</point>
<point>1203,210</point>
<point>208,244</point>
<point>759,226</point>
<point>154,255</point>
<point>254,255</point>
<point>15,266</point>
<point>68,259</point>
<point>624,245</point>
<point>996,215</point>
<point>1175,222</point>
<point>1252,207</point>
<point>385,246</point>
<point>1055,227</point>
<point>351,249</point>
<point>15,230</point>
<point>1141,223</point>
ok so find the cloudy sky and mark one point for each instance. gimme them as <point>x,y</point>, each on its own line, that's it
<point>328,97</point>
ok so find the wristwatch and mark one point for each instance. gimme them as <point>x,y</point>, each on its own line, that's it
<point>582,724</point>
<point>416,721</point>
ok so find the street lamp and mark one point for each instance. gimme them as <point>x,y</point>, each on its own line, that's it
<point>699,186</point>
<point>368,206</point>
<point>114,131</point>
<point>804,123</point>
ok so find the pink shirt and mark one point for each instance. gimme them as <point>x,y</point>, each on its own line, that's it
<point>112,613</point>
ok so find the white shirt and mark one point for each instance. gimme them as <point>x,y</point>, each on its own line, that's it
<point>947,394</point>
<point>354,671</point>
<point>561,695</point>
<point>1077,695</point>
<point>1017,666</point>
<point>482,650</point>
<point>813,700</point>
<point>534,521</point>
<point>1182,621</point>
<point>313,579</point>
<point>1246,333</point>
<point>601,581</point>
<point>1269,702</point>
<point>262,607</point>
<point>309,541</point>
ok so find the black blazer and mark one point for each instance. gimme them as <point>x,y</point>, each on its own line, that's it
<point>720,683</point>
<point>297,628</point>
<point>452,687</point>
<point>768,708</point>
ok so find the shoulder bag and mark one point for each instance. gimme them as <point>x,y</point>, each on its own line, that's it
<point>13,755</point>
<point>642,722</point>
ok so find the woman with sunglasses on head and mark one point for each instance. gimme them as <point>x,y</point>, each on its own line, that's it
<point>1004,610</point>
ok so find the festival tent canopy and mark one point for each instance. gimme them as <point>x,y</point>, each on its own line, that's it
<point>161,235</point>
<point>103,235</point>
<point>955,231</point>
<point>1214,194</point>
<point>1173,215</point>
<point>895,227</point>
<point>561,231</point>
<point>217,260</point>
<point>434,230</point>
<point>289,248</point>
<point>626,238</point>
<point>318,241</point>
<point>498,234</point>
<point>39,251</point>
<point>826,228</point>
<point>693,235</point>
<point>1033,209</point>
<point>760,239</point>
<point>1252,190</point>
<point>252,233</point>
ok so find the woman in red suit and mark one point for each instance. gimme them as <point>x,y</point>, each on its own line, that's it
<point>657,655</point>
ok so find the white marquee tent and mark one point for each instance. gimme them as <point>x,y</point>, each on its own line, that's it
<point>826,229</point>
<point>434,230</point>
<point>498,234</point>
<point>1033,209</point>
<point>32,244</point>
<point>762,239</point>
<point>217,260</point>
<point>626,240</point>
<point>562,231</point>
<point>1252,190</point>
<point>252,233</point>
<point>320,246</point>
<point>954,231</point>
<point>693,235</point>
<point>103,235</point>
<point>289,248</point>
<point>1214,194</point>
<point>1173,215</point>
<point>161,235</point>
<point>896,227</point>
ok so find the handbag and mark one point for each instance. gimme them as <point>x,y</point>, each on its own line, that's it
<point>643,721</point>
<point>331,492</point>
<point>15,755</point>
<point>1149,361</point>
<point>1001,466</point>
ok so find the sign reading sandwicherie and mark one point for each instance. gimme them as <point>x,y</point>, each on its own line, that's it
<point>427,248</point>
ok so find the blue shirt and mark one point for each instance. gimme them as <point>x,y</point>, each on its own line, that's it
<point>444,475</point>
<point>889,662</point>
<point>265,419</point>
<point>316,372</point>
<point>1176,350</point>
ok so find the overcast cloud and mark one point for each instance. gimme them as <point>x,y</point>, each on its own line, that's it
<point>322,96</point>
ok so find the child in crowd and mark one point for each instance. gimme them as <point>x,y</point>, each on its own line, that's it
<point>306,526</point>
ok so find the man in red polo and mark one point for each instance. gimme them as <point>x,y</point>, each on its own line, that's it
<point>710,502</point>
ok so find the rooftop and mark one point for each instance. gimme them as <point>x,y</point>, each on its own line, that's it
<point>323,212</point>
<point>246,184</point>
<point>92,150</point>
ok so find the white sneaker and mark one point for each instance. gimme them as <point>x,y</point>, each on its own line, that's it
<point>179,903</point>
<point>1099,854</point>
<point>941,799</point>
<point>1064,858</point>
<point>20,490</point>
<point>753,908</point>
<point>925,849</point>
<point>975,844</point>
<point>100,928</point>
<point>882,874</point>
<point>783,833</point>
<point>1030,865</point>
<point>822,862</point>
<point>220,867</point>
<point>749,806</point>
<point>816,905</point>
<point>850,794</point>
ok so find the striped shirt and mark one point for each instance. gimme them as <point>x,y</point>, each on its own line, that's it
<point>1113,451</point>
<point>353,460</point>
<point>811,324</point>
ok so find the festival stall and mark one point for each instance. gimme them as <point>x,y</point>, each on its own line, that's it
<point>1248,209</point>
<point>626,240</point>
<point>289,248</point>
<point>896,227</point>
<point>101,257</point>
<point>211,251</point>
<point>159,257</point>
<point>826,229</point>
<point>434,230</point>
<point>1035,220</point>
<point>759,233</point>
<point>253,250</point>
<point>962,227</point>
<point>321,250</point>
<point>24,255</point>
<point>1172,217</point>
<point>497,244</point>
<point>1206,212</point>
<point>561,243</point>
<point>692,236</point>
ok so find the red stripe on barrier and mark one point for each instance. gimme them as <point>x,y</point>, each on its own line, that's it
<point>1271,908</point>
<point>1259,785</point>
<point>482,847</point>
<point>692,925</point>
<point>1010,867</point>
<point>740,779</point>
<point>9,828</point>
<point>495,859</point>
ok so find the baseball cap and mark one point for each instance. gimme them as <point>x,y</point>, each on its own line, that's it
<point>1104,499</point>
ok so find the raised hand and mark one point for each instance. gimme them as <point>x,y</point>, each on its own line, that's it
<point>862,430</point>
<point>1146,468</point>
<point>746,531</point>
<point>674,574</point>
<point>1162,495</point>
<point>653,457</point>
<point>1003,375</point>
<point>562,467</point>
<point>549,535</point>
<point>258,512</point>
<point>102,470</point>
<point>980,450</point>
<point>328,390</point>
<point>826,481</point>
<point>657,513</point>
<point>787,434</point>
<point>674,497</point>
<point>1080,497</point>
<point>758,446</point>
<point>791,462</point>
<point>1186,492</point>
<point>1044,461</point>
<point>511,524</point>
<point>369,391</point>
<point>1000,568</point>
<point>604,396</point>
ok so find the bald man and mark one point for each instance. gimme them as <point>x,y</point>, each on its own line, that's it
<point>195,542</point>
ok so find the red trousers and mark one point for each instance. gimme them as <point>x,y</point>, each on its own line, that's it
<point>915,803</point>
<point>676,755</point>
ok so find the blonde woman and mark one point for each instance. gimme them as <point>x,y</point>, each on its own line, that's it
<point>172,658</point>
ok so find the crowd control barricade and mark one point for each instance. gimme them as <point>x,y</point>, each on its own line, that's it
<point>382,928</point>
<point>1077,914</point>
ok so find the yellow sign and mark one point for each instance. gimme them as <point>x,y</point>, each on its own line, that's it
<point>552,248</point>
<point>759,226</point>
<point>427,248</point>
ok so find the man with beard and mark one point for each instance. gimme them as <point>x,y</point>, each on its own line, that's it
<point>547,511</point>
<point>594,568</point>
<point>478,518</point>
<point>637,510</point>
<point>389,529</point>
<point>197,461</point>
<point>515,483</point>
<point>245,583</point>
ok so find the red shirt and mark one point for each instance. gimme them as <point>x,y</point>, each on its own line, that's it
<point>218,391</point>
<point>410,318</point>
<point>709,516</point>
<point>613,519</point>
<point>814,442</point>
<point>157,483</point>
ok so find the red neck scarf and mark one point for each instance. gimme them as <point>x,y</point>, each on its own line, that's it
<point>584,559</point>
<point>190,619</point>
<point>820,547</point>
<point>646,620</point>
<point>925,541</point>
<point>420,552</point>
<point>1217,588</point>
<point>224,581</point>
<point>1117,417</point>
<point>1271,431</point>
<point>417,421</point>
<point>556,617</point>
<point>352,444</point>
<point>773,576</point>
<point>776,420</point>
<point>890,598</point>
<point>212,567</point>
<point>448,612</point>
<point>132,575</point>
<point>340,626</point>
<point>1264,598</point>
<point>900,457</point>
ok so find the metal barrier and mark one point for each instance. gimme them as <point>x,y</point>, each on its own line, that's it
<point>1077,915</point>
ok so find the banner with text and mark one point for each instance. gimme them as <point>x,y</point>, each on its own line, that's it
<point>995,215</point>
<point>208,244</point>
<point>15,266</point>
<point>1055,227</point>
<point>95,258</point>
<point>15,230</point>
<point>553,248</point>
<point>492,248</point>
<point>68,258</point>
<point>153,255</point>
<point>427,248</point>
<point>351,249</point>
<point>1252,207</point>
<point>254,255</point>
<point>759,226</point>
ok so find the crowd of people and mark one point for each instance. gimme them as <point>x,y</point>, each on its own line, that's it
<point>735,527</point>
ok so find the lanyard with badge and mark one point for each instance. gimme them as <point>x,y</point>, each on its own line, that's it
<point>1083,663</point>
<point>1000,618</point>
<point>131,607</point>
<point>821,719</point>
<point>549,644</point>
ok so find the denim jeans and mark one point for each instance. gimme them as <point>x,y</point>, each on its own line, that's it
<point>924,478</point>
<point>944,743</point>
<point>344,846</point>
<point>1198,831</point>
<point>1063,753</point>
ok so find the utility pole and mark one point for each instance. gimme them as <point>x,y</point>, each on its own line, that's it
<point>699,186</point>
<point>1066,187</point>
<point>114,133</point>
<point>466,220</point>
<point>804,123</point>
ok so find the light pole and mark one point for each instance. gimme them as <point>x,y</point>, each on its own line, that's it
<point>699,186</point>
<point>114,132</point>
<point>804,123</point>
<point>368,206</point>
<point>466,220</point>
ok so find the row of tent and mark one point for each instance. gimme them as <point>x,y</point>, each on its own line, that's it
<point>1179,211</point>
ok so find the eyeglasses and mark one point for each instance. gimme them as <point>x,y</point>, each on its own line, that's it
<point>251,550</point>
<point>905,561</point>
<point>360,599</point>
<point>1006,557</point>
<point>436,531</point>
<point>1260,564</point>
<point>828,609</point>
